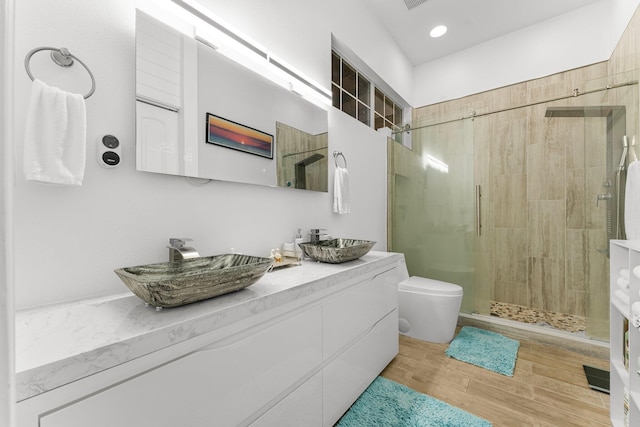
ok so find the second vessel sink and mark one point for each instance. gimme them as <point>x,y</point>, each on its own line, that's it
<point>336,251</point>
<point>171,284</point>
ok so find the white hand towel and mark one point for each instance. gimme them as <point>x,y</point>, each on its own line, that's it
<point>636,271</point>
<point>623,283</point>
<point>635,314</point>
<point>632,202</point>
<point>55,136</point>
<point>341,191</point>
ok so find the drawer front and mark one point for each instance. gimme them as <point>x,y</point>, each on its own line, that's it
<point>351,313</point>
<point>346,377</point>
<point>222,384</point>
<point>302,408</point>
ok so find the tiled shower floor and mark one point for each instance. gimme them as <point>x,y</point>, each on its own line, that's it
<point>564,322</point>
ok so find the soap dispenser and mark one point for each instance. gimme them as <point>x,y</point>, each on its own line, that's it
<point>297,242</point>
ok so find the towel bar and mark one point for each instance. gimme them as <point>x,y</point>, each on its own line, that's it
<point>63,58</point>
<point>337,154</point>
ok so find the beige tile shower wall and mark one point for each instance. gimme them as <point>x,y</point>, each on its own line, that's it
<point>625,60</point>
<point>541,233</point>
<point>626,55</point>
<point>532,170</point>
<point>295,145</point>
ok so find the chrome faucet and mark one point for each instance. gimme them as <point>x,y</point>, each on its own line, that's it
<point>178,251</point>
<point>317,234</point>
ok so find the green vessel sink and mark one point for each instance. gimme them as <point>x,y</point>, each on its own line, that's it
<point>172,284</point>
<point>336,251</point>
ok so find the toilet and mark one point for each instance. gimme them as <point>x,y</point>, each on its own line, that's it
<point>428,309</point>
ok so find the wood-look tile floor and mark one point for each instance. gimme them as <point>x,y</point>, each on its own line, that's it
<point>548,387</point>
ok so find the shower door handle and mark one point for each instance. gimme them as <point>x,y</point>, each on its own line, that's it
<point>478,221</point>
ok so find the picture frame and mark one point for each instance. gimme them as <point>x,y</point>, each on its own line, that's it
<point>236,136</point>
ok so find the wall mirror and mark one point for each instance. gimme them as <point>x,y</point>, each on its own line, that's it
<point>201,114</point>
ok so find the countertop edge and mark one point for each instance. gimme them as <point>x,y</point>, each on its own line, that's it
<point>156,330</point>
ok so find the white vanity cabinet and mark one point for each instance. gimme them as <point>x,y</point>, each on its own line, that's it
<point>360,337</point>
<point>222,384</point>
<point>302,363</point>
<point>303,407</point>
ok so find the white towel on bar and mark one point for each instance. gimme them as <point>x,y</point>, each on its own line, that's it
<point>55,136</point>
<point>341,191</point>
<point>632,202</point>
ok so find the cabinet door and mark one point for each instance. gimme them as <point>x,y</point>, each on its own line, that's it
<point>302,408</point>
<point>223,384</point>
<point>346,377</point>
<point>351,313</point>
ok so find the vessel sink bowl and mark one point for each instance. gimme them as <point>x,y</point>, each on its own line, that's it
<point>172,284</point>
<point>336,251</point>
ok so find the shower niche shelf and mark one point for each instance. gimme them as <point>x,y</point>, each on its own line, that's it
<point>625,352</point>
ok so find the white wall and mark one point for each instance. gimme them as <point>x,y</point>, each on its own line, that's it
<point>575,39</point>
<point>69,240</point>
<point>297,29</point>
<point>621,13</point>
<point>7,364</point>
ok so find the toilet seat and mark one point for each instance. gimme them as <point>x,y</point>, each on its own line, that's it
<point>430,286</point>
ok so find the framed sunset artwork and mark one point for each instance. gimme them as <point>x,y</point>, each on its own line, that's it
<point>236,136</point>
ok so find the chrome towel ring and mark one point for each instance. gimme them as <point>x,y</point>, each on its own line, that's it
<point>337,154</point>
<point>63,58</point>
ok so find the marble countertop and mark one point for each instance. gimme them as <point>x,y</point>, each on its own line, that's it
<point>58,344</point>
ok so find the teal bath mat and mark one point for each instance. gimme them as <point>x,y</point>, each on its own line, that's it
<point>386,403</point>
<point>486,349</point>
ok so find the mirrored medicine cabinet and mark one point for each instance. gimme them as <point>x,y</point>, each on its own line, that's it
<point>199,113</point>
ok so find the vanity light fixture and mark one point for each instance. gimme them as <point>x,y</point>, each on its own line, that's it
<point>212,32</point>
<point>293,90</point>
<point>206,42</point>
<point>438,31</point>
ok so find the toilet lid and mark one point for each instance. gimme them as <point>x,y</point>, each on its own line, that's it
<point>429,286</point>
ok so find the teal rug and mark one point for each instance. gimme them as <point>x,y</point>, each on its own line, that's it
<point>486,349</point>
<point>386,403</point>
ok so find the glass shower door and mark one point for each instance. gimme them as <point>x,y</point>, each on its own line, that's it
<point>611,116</point>
<point>434,204</point>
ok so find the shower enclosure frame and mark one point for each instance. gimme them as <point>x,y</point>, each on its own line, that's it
<point>483,199</point>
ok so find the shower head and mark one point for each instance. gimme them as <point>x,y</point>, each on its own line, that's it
<point>301,169</point>
<point>311,159</point>
<point>589,111</point>
<point>413,3</point>
<point>564,112</point>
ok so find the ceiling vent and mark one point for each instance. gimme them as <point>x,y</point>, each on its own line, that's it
<point>413,3</point>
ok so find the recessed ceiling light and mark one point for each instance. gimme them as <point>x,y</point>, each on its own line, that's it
<point>438,31</point>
